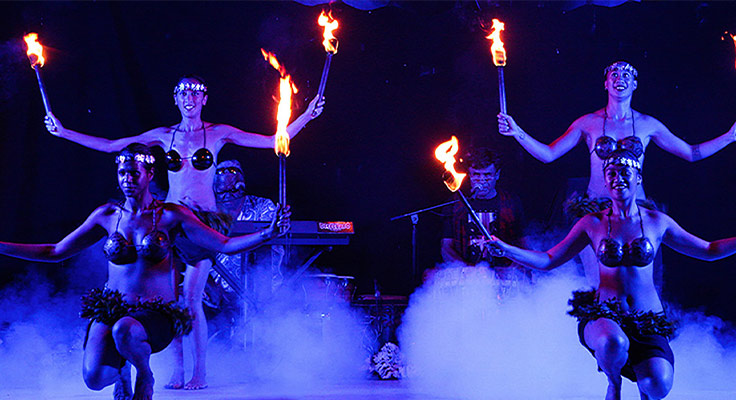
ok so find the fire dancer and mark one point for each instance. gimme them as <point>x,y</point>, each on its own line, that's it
<point>135,315</point>
<point>499,210</point>
<point>622,322</point>
<point>615,126</point>
<point>191,147</point>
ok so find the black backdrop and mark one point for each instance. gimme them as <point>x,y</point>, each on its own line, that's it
<point>406,77</point>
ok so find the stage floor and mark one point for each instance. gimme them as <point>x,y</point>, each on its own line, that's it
<point>360,390</point>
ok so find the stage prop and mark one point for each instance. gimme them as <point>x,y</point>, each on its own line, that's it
<point>283,114</point>
<point>330,43</point>
<point>499,59</point>
<point>35,55</point>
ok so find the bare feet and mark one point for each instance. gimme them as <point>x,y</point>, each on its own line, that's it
<point>196,383</point>
<point>123,389</point>
<point>143,386</point>
<point>614,388</point>
<point>177,380</point>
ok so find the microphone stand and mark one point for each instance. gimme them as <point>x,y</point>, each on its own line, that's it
<point>414,217</point>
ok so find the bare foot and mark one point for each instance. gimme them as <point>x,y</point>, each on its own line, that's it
<point>123,389</point>
<point>614,388</point>
<point>196,383</point>
<point>143,386</point>
<point>177,380</point>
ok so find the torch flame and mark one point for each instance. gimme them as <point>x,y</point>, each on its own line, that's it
<point>35,50</point>
<point>286,88</point>
<point>497,50</point>
<point>330,25</point>
<point>445,153</point>
<point>734,43</point>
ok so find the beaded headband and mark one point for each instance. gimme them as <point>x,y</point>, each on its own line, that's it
<point>195,87</point>
<point>622,160</point>
<point>622,65</point>
<point>143,158</point>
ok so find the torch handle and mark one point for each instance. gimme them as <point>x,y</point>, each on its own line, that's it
<point>43,89</point>
<point>323,79</point>
<point>501,90</point>
<point>474,216</point>
<point>282,179</point>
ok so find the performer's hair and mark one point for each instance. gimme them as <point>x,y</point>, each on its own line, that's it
<point>143,153</point>
<point>622,157</point>
<point>481,157</point>
<point>192,76</point>
<point>623,65</point>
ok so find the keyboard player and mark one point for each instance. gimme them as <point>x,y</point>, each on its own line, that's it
<point>230,193</point>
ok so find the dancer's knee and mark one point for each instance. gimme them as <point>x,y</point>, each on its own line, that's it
<point>95,378</point>
<point>127,330</point>
<point>656,378</point>
<point>612,345</point>
<point>656,387</point>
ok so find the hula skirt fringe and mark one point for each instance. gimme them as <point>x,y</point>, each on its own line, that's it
<point>108,306</point>
<point>586,307</point>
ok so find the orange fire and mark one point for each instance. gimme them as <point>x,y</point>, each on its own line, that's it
<point>286,88</point>
<point>35,50</point>
<point>497,50</point>
<point>734,43</point>
<point>445,153</point>
<point>330,25</point>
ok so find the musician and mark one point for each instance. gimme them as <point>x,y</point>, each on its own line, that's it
<point>500,212</point>
<point>229,188</point>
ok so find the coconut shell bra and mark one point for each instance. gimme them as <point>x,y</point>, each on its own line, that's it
<point>154,247</point>
<point>637,253</point>
<point>605,145</point>
<point>202,159</point>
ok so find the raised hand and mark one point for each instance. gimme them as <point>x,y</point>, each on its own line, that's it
<point>281,221</point>
<point>53,125</point>
<point>315,107</point>
<point>508,127</point>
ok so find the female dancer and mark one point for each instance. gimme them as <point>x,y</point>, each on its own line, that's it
<point>622,322</point>
<point>134,315</point>
<point>615,126</point>
<point>191,147</point>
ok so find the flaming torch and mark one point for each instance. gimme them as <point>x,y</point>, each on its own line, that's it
<point>330,42</point>
<point>445,153</point>
<point>281,147</point>
<point>734,43</point>
<point>35,55</point>
<point>499,59</point>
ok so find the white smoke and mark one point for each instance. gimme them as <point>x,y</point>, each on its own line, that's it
<point>305,337</point>
<point>466,337</point>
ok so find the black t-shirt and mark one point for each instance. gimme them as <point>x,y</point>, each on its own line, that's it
<point>502,216</point>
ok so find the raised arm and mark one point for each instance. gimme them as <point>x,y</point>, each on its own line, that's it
<point>673,144</point>
<point>686,243</point>
<point>569,247</point>
<point>542,152</point>
<point>247,139</point>
<point>84,236</point>
<point>150,138</point>
<point>201,234</point>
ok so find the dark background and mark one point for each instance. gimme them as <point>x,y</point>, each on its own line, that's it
<point>407,76</point>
